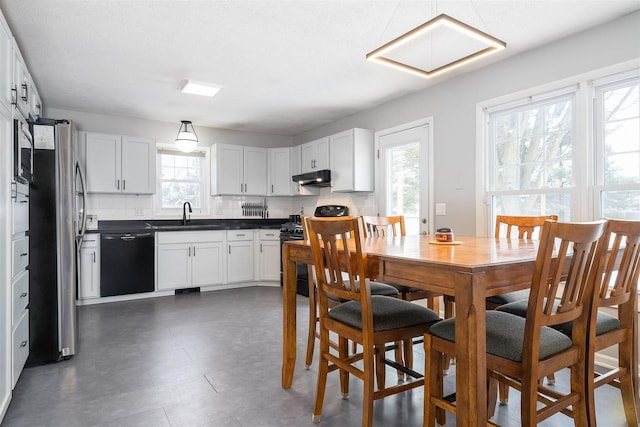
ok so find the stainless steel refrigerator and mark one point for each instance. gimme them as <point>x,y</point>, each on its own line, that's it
<point>56,225</point>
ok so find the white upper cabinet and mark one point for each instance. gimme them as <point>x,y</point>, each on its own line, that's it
<point>279,171</point>
<point>119,164</point>
<point>296,169</point>
<point>35,107</point>
<point>352,160</point>
<point>21,82</point>
<point>315,155</point>
<point>238,170</point>
<point>6,65</point>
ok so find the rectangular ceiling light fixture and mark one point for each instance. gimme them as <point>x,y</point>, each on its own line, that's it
<point>443,35</point>
<point>200,88</point>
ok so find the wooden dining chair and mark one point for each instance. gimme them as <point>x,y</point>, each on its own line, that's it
<point>393,226</point>
<point>370,320</point>
<point>377,288</point>
<point>522,351</point>
<point>617,288</point>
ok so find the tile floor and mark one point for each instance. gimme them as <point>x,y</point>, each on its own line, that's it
<point>208,359</point>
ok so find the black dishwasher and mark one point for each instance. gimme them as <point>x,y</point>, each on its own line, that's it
<point>126,263</point>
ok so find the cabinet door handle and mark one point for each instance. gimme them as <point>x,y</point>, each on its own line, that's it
<point>23,344</point>
<point>189,251</point>
<point>25,92</point>
<point>117,184</point>
<point>94,257</point>
<point>23,295</point>
<point>229,249</point>
<point>24,201</point>
<point>124,184</point>
<point>194,251</point>
<point>260,247</point>
<point>240,235</point>
<point>272,188</point>
<point>241,187</point>
<point>24,254</point>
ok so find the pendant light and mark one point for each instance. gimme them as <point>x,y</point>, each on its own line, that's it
<point>186,139</point>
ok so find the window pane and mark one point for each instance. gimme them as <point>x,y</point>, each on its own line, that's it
<point>174,194</point>
<point>621,103</point>
<point>533,204</point>
<point>541,155</point>
<point>621,204</point>
<point>403,184</point>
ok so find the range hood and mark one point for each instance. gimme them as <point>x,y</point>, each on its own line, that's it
<point>321,178</point>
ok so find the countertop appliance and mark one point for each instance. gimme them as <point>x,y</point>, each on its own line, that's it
<point>55,228</point>
<point>126,263</point>
<point>292,230</point>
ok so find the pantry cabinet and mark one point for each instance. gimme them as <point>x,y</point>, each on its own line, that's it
<point>240,255</point>
<point>352,160</point>
<point>238,170</point>
<point>315,155</point>
<point>186,259</point>
<point>119,164</point>
<point>89,278</point>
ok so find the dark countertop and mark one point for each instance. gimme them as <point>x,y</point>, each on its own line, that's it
<point>133,226</point>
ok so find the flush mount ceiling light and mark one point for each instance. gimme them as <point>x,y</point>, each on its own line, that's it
<point>438,45</point>
<point>186,139</point>
<point>200,88</point>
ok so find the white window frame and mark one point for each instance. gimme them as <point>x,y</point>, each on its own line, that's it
<point>583,196</point>
<point>204,210</point>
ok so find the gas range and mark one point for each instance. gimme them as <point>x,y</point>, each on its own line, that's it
<point>292,229</point>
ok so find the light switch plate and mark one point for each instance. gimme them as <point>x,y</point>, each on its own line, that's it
<point>441,208</point>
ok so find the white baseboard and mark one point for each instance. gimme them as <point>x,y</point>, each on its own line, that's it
<point>4,406</point>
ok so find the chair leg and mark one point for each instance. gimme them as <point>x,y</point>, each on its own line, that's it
<point>381,374</point>
<point>369,365</point>
<point>492,394</point>
<point>313,320</point>
<point>407,348</point>
<point>343,351</point>
<point>449,312</point>
<point>627,383</point>
<point>433,384</point>
<point>528,402</point>
<point>398,354</point>
<point>578,380</point>
<point>504,393</point>
<point>323,369</point>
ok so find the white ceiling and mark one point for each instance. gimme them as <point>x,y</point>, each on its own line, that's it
<point>285,66</point>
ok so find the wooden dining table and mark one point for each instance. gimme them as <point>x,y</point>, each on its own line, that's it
<point>470,270</point>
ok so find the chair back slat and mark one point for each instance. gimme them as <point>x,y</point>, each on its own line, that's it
<point>526,226</point>
<point>564,275</point>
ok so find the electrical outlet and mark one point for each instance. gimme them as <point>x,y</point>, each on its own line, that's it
<point>441,208</point>
<point>138,211</point>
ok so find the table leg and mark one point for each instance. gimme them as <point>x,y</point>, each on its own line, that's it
<point>471,375</point>
<point>288,318</point>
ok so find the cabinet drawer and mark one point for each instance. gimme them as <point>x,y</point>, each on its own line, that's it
<point>269,234</point>
<point>20,212</point>
<point>171,237</point>
<point>91,240</point>
<point>236,235</point>
<point>20,346</point>
<point>20,296</point>
<point>20,255</point>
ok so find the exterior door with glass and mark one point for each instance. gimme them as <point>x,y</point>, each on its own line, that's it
<point>404,175</point>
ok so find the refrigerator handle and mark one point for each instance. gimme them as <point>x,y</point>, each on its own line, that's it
<point>83,220</point>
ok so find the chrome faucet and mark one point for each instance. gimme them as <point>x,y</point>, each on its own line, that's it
<point>184,213</point>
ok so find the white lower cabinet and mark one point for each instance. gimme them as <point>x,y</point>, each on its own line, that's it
<point>89,286</point>
<point>240,256</point>
<point>186,259</point>
<point>269,255</point>
<point>20,346</point>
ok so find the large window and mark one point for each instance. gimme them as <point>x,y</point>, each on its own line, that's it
<point>532,158</point>
<point>617,114</point>
<point>181,178</point>
<point>572,152</point>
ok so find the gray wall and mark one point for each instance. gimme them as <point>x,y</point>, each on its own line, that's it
<point>164,132</point>
<point>452,104</point>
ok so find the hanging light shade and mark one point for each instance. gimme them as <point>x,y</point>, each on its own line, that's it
<point>187,138</point>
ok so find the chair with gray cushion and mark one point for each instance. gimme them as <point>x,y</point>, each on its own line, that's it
<point>369,320</point>
<point>522,351</point>
<point>617,288</point>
